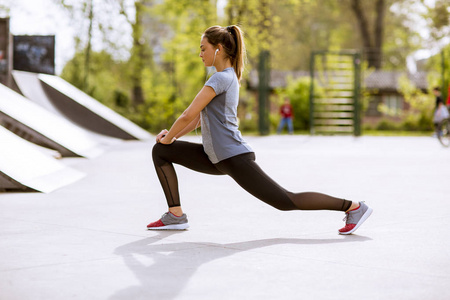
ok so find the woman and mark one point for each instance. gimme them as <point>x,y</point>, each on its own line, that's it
<point>224,151</point>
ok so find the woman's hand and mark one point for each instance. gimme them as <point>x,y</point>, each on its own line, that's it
<point>165,141</point>
<point>161,138</point>
<point>161,135</point>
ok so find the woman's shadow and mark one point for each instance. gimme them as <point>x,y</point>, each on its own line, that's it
<point>173,264</point>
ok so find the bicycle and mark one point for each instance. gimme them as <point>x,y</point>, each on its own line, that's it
<point>443,132</point>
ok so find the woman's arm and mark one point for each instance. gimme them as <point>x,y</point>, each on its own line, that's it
<point>193,125</point>
<point>185,121</point>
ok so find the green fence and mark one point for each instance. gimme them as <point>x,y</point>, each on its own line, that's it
<point>335,92</point>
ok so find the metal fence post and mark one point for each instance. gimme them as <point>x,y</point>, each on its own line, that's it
<point>356,92</point>
<point>263,92</point>
<point>311,93</point>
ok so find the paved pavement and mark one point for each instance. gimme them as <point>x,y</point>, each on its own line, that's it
<point>88,240</point>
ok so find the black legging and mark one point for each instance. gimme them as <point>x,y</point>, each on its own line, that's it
<point>243,169</point>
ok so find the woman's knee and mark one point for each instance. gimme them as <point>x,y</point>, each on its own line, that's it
<point>157,152</point>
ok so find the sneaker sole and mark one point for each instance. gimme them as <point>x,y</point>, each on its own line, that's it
<point>363,218</point>
<point>171,227</point>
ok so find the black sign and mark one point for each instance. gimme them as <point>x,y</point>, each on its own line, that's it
<point>34,53</point>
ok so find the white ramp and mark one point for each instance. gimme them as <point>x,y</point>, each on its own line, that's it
<point>39,126</point>
<point>57,95</point>
<point>23,167</point>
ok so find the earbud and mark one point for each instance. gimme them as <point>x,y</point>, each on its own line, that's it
<point>217,50</point>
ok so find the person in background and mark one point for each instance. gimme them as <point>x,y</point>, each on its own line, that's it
<point>287,115</point>
<point>437,94</point>
<point>440,111</point>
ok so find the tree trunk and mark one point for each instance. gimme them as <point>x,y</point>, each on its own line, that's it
<point>87,57</point>
<point>372,45</point>
<point>362,22</point>
<point>137,58</point>
<point>379,22</point>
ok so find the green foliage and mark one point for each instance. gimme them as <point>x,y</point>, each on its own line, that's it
<point>387,125</point>
<point>173,84</point>
<point>439,15</point>
<point>419,116</point>
<point>105,82</point>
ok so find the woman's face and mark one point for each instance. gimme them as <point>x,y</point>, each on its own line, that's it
<point>207,52</point>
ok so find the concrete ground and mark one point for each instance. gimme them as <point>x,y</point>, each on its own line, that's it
<point>89,240</point>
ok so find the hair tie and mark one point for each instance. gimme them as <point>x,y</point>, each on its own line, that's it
<point>229,29</point>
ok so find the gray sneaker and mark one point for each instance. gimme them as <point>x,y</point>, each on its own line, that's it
<point>355,218</point>
<point>169,221</point>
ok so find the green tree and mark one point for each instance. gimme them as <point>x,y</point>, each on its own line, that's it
<point>141,52</point>
<point>439,17</point>
<point>105,81</point>
<point>93,18</point>
<point>86,10</point>
<point>259,21</point>
<point>420,114</point>
<point>172,84</point>
<point>372,40</point>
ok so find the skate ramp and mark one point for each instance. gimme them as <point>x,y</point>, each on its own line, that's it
<point>37,125</point>
<point>60,97</point>
<point>24,167</point>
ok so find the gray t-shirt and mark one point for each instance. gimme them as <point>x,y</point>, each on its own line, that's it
<point>220,134</point>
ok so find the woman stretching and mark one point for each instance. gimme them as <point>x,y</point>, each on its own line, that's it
<point>224,151</point>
